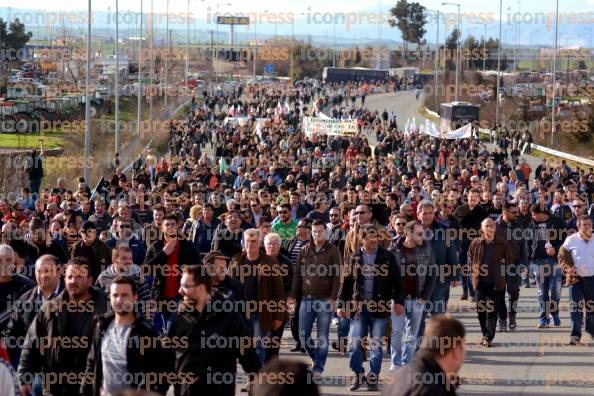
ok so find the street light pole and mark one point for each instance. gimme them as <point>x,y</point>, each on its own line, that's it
<point>436,60</point>
<point>152,79</point>
<point>88,99</point>
<point>554,104</point>
<point>168,33</point>
<point>188,45</point>
<point>498,65</point>
<point>117,88</point>
<point>139,74</point>
<point>457,46</point>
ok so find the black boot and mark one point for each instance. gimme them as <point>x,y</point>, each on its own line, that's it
<point>358,380</point>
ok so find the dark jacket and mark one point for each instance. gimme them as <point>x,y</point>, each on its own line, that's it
<point>270,287</point>
<point>409,380</point>
<point>54,248</point>
<point>557,232</point>
<point>202,234</point>
<point>469,222</point>
<point>226,242</point>
<point>98,255</point>
<point>501,258</point>
<point>443,244</point>
<point>156,260</point>
<point>205,363</point>
<point>387,284</point>
<point>425,269</point>
<point>140,358</point>
<point>513,234</point>
<point>18,287</point>
<point>317,274</point>
<point>22,316</point>
<point>50,324</point>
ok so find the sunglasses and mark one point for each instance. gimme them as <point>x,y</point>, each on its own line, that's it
<point>360,213</point>
<point>282,211</point>
<point>400,224</point>
<point>333,215</point>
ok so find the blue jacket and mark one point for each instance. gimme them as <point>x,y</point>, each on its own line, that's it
<point>135,245</point>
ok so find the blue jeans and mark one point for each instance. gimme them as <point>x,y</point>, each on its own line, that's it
<point>548,280</point>
<point>360,326</point>
<point>437,302</point>
<point>162,320</point>
<point>344,325</point>
<point>581,294</point>
<point>405,326</point>
<point>319,310</point>
<point>261,338</point>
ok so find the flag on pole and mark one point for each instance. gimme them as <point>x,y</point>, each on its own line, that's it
<point>222,165</point>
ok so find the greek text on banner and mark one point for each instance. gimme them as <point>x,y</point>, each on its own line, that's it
<point>332,127</point>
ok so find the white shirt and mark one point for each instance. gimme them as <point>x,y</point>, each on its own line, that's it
<point>582,252</point>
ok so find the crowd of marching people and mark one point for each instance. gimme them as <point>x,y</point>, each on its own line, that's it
<point>250,228</point>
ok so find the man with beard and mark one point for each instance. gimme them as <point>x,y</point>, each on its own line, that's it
<point>204,325</point>
<point>58,341</point>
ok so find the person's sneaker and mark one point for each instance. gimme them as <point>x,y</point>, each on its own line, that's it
<point>298,348</point>
<point>335,345</point>
<point>472,299</point>
<point>526,285</point>
<point>486,343</point>
<point>358,380</point>
<point>542,324</point>
<point>512,322</point>
<point>556,320</point>
<point>502,326</point>
<point>464,296</point>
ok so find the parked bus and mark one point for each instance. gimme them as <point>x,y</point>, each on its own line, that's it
<point>354,74</point>
<point>455,115</point>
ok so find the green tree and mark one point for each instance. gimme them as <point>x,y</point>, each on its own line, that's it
<point>450,47</point>
<point>410,19</point>
<point>16,37</point>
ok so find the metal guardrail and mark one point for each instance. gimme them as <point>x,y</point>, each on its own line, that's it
<point>538,147</point>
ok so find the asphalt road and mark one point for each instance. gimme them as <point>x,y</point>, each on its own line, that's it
<point>406,106</point>
<point>526,362</point>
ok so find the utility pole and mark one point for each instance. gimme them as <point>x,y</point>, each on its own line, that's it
<point>88,99</point>
<point>188,45</point>
<point>292,39</point>
<point>117,88</point>
<point>554,104</point>
<point>139,110</point>
<point>166,70</point>
<point>457,46</point>
<point>152,73</point>
<point>498,65</point>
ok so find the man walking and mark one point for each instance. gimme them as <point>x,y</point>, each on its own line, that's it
<point>316,282</point>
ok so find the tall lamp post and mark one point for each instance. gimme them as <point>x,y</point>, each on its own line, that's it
<point>498,65</point>
<point>88,99</point>
<point>436,64</point>
<point>117,75</point>
<point>139,74</point>
<point>554,104</point>
<point>457,46</point>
